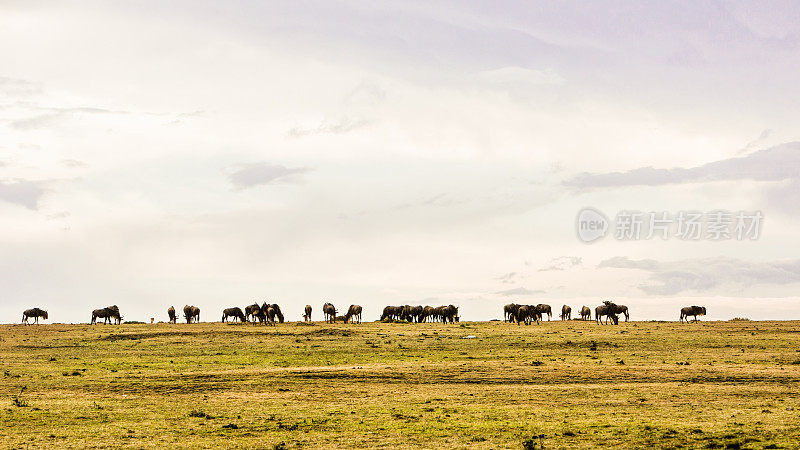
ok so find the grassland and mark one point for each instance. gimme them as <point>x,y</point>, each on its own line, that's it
<point>574,384</point>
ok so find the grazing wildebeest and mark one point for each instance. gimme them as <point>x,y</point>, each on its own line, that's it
<point>329,311</point>
<point>173,318</point>
<point>251,312</point>
<point>416,313</point>
<point>107,314</point>
<point>405,313</point>
<point>354,311</point>
<point>510,312</point>
<point>527,313</point>
<point>307,315</point>
<point>234,312</point>
<point>545,309</point>
<point>438,313</point>
<point>450,313</point>
<point>566,313</point>
<point>277,312</point>
<point>692,311</point>
<point>611,311</point>
<point>586,313</point>
<point>35,313</point>
<point>428,312</point>
<point>191,313</point>
<point>620,309</point>
<point>391,312</point>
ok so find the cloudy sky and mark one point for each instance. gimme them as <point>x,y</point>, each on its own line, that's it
<point>217,153</point>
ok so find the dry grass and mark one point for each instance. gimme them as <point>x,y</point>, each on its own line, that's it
<point>708,385</point>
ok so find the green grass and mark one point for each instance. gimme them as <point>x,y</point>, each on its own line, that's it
<point>559,384</point>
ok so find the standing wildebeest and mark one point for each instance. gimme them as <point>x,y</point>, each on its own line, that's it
<point>527,313</point>
<point>510,312</point>
<point>329,311</point>
<point>355,312</point>
<point>173,318</point>
<point>609,310</point>
<point>544,309</point>
<point>277,312</point>
<point>566,313</point>
<point>251,312</point>
<point>692,311</point>
<point>405,313</point>
<point>416,313</point>
<point>35,313</point>
<point>450,313</point>
<point>107,314</point>
<point>307,315</point>
<point>428,312</point>
<point>191,313</point>
<point>234,312</point>
<point>586,313</point>
<point>620,309</point>
<point>391,312</point>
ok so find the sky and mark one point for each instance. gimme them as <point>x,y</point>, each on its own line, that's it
<point>384,153</point>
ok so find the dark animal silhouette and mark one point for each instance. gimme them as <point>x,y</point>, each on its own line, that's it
<point>428,312</point>
<point>35,313</point>
<point>586,313</point>
<point>405,313</point>
<point>251,312</point>
<point>234,312</point>
<point>566,313</point>
<point>599,312</point>
<point>191,313</point>
<point>353,312</point>
<point>510,312</point>
<point>277,312</point>
<point>692,311</point>
<point>109,315</point>
<point>329,311</point>
<point>527,313</point>
<point>545,309</point>
<point>450,314</point>
<point>391,312</point>
<point>621,309</point>
<point>416,313</point>
<point>173,318</point>
<point>610,312</point>
<point>307,315</point>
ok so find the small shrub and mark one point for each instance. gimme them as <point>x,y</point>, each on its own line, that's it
<point>20,403</point>
<point>739,319</point>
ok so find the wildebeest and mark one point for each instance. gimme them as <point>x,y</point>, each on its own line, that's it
<point>107,314</point>
<point>329,311</point>
<point>354,311</point>
<point>586,313</point>
<point>234,312</point>
<point>566,313</point>
<point>450,313</point>
<point>391,312</point>
<point>510,312</point>
<point>173,318</point>
<point>599,312</point>
<point>544,309</point>
<point>692,311</point>
<point>416,313</point>
<point>35,313</point>
<point>428,312</point>
<point>277,312</point>
<point>251,312</point>
<point>191,313</point>
<point>307,315</point>
<point>621,309</point>
<point>527,313</point>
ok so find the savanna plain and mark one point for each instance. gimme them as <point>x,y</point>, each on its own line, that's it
<point>560,384</point>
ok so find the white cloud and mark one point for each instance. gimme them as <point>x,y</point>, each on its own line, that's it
<point>245,176</point>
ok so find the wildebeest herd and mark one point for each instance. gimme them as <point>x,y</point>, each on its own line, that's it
<point>269,314</point>
<point>420,314</point>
